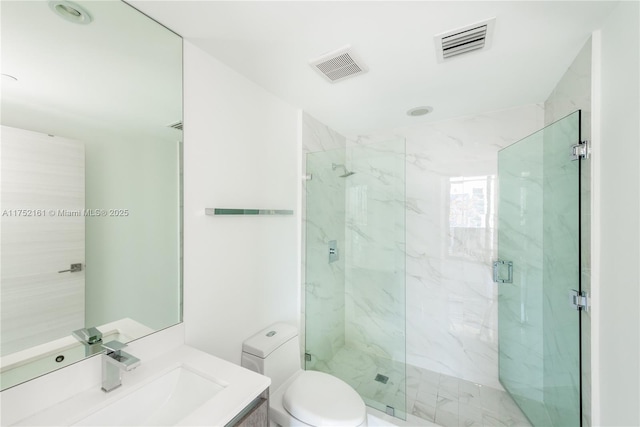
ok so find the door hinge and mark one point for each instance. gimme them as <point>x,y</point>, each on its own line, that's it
<point>580,151</point>
<point>579,300</point>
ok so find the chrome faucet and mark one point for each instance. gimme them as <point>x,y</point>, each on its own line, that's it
<point>91,339</point>
<point>114,361</point>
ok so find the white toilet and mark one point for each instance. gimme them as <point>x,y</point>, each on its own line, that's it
<point>297,397</point>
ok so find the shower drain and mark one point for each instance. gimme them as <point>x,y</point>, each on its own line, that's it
<point>382,378</point>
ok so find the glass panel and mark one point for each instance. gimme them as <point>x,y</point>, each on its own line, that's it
<point>355,304</point>
<point>538,230</point>
<point>324,290</point>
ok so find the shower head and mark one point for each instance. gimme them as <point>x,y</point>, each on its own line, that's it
<point>346,173</point>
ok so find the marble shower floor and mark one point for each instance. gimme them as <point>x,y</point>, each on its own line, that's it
<point>430,396</point>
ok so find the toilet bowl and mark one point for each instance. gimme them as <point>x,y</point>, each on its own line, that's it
<point>298,397</point>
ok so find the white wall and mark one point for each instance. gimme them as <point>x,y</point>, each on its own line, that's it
<point>136,255</point>
<point>241,150</point>
<point>616,212</point>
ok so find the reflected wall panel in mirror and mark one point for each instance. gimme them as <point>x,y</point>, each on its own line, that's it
<point>90,180</point>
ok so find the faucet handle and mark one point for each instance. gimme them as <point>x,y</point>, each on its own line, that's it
<point>88,335</point>
<point>114,345</point>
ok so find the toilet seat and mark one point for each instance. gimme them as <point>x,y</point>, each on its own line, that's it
<point>320,399</point>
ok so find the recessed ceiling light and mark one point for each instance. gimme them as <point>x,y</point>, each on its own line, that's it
<point>70,11</point>
<point>419,111</point>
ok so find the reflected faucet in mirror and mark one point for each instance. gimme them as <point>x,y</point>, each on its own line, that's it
<point>91,338</point>
<point>83,167</point>
<point>114,361</point>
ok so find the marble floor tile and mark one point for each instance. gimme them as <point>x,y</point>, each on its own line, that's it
<point>448,387</point>
<point>470,416</point>
<point>491,419</point>
<point>424,411</point>
<point>429,378</point>
<point>469,394</point>
<point>446,411</point>
<point>423,394</point>
<point>499,402</point>
<point>427,397</point>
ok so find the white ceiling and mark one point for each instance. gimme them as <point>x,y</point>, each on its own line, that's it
<point>122,73</point>
<point>271,43</point>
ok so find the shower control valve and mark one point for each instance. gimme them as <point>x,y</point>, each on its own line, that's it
<point>333,251</point>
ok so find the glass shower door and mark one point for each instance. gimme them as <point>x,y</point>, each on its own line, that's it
<point>538,233</point>
<point>355,270</point>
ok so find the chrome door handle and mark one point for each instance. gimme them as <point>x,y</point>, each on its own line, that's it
<point>74,268</point>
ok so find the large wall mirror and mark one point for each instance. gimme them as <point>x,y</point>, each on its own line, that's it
<point>91,145</point>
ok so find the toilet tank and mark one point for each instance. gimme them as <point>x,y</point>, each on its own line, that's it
<point>274,352</point>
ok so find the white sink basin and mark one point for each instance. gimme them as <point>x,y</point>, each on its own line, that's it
<point>182,386</point>
<point>161,402</point>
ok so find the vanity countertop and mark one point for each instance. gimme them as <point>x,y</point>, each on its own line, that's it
<point>238,388</point>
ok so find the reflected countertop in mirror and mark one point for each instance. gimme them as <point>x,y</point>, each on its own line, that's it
<point>91,168</point>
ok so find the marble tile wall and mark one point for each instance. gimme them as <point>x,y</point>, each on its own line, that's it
<point>560,273</point>
<point>520,240</point>
<point>573,92</point>
<point>451,300</point>
<point>451,168</point>
<point>375,241</point>
<point>538,232</point>
<point>323,220</point>
<point>450,214</point>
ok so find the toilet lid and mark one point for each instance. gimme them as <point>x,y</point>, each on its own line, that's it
<point>320,399</point>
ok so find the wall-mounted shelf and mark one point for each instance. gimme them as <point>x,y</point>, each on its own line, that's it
<point>221,211</point>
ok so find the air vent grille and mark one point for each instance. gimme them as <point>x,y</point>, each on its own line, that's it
<point>464,40</point>
<point>338,65</point>
<point>176,125</point>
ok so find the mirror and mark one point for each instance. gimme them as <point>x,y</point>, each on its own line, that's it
<point>90,181</point>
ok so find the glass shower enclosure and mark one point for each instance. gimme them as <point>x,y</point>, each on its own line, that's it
<point>539,273</point>
<point>355,270</point>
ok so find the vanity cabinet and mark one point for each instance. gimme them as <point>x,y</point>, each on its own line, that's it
<point>256,414</point>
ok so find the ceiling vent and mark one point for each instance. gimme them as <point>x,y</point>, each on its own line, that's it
<point>339,65</point>
<point>464,40</point>
<point>176,125</point>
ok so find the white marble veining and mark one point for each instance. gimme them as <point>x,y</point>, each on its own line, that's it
<point>421,396</point>
<point>561,332</point>
<point>521,241</point>
<point>451,240</point>
<point>573,92</point>
<point>316,136</point>
<point>450,305</point>
<point>323,217</point>
<point>375,237</point>
<point>538,231</point>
